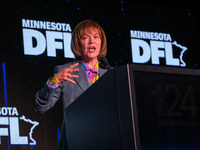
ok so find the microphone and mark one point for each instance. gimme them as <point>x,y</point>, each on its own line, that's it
<point>104,63</point>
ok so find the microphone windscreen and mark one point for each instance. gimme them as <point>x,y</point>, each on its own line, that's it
<point>104,60</point>
<point>103,66</point>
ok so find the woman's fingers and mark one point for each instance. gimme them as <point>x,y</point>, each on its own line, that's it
<point>70,80</point>
<point>66,74</point>
<point>74,65</point>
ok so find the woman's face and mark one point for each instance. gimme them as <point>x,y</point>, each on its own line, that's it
<point>90,44</point>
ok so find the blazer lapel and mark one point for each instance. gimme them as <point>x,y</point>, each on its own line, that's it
<point>82,80</point>
<point>102,71</point>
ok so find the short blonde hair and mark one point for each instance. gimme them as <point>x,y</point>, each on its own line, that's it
<point>79,31</point>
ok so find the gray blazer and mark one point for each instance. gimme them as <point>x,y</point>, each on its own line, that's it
<point>67,92</point>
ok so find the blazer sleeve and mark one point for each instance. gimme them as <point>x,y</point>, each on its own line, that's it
<point>47,97</point>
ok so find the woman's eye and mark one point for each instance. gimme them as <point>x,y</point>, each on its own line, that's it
<point>84,37</point>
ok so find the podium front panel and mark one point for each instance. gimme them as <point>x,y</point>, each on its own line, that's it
<point>168,107</point>
<point>93,120</point>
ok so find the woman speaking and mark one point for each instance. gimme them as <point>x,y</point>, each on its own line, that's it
<point>70,80</point>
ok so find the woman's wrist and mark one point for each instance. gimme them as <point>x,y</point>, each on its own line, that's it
<point>54,82</point>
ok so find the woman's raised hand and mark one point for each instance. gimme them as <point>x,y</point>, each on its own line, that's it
<point>67,73</point>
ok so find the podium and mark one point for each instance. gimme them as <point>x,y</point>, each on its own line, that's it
<point>137,107</point>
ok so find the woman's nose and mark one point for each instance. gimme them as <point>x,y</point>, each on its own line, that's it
<point>91,40</point>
